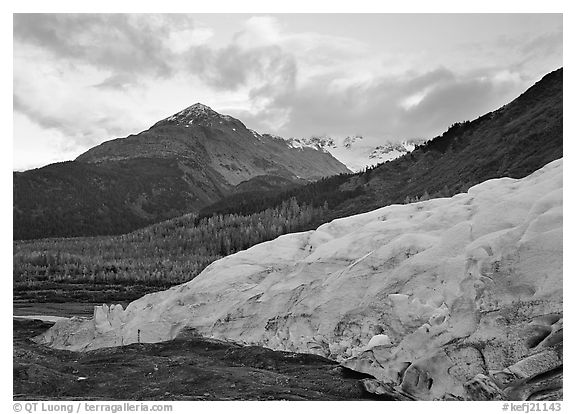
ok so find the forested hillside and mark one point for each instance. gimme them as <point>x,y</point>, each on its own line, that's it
<point>149,259</point>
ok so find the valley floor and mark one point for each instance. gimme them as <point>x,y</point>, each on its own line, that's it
<point>188,368</point>
<point>57,292</point>
<point>27,309</point>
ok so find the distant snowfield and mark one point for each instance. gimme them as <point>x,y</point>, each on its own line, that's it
<point>353,152</point>
<point>359,157</point>
<point>428,297</point>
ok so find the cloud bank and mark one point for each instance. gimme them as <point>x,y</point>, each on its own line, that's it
<point>93,77</point>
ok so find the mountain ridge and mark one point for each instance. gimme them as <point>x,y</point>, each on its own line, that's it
<point>179,165</point>
<point>196,132</point>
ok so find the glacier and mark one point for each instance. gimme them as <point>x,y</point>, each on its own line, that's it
<point>450,298</point>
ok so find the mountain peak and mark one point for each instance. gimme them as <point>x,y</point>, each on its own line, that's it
<point>199,114</point>
<point>200,108</point>
<point>200,105</point>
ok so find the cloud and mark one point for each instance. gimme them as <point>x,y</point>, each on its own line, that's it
<point>529,54</point>
<point>84,74</point>
<point>263,56</point>
<point>118,42</point>
<point>91,59</point>
<point>118,81</point>
<point>77,121</point>
<point>233,66</point>
<point>92,77</point>
<point>269,64</point>
<point>541,48</point>
<point>458,100</point>
<point>30,152</point>
<point>183,39</point>
<point>302,84</point>
<point>59,99</point>
<point>377,108</point>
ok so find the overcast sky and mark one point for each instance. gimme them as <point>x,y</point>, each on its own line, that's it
<point>83,79</point>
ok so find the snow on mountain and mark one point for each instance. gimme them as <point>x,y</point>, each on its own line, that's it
<point>350,140</point>
<point>389,152</point>
<point>357,155</point>
<point>353,151</point>
<point>448,298</point>
<point>317,143</point>
<point>199,114</point>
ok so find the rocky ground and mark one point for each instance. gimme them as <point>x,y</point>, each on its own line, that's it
<point>188,368</point>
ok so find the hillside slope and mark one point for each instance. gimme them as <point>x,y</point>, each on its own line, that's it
<point>513,141</point>
<point>449,298</point>
<point>178,166</point>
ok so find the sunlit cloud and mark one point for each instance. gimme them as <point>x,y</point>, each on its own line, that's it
<point>93,77</point>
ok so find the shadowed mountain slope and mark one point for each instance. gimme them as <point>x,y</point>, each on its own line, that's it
<point>179,165</point>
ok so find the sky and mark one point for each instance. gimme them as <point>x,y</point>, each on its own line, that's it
<point>82,79</point>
